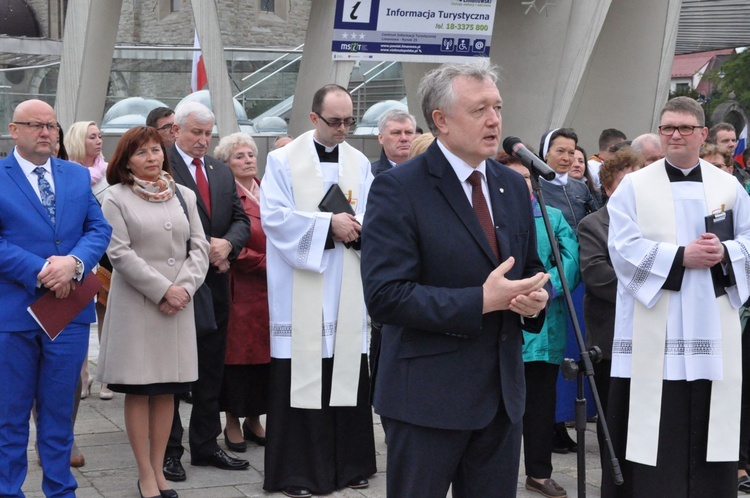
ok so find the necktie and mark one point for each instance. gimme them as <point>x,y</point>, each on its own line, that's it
<point>202,183</point>
<point>482,211</point>
<point>45,193</point>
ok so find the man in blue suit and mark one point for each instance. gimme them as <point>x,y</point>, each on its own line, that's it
<point>449,266</point>
<point>51,232</point>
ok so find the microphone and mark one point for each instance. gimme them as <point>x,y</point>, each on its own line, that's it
<point>514,147</point>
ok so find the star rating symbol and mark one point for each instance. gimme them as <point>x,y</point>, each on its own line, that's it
<point>531,4</point>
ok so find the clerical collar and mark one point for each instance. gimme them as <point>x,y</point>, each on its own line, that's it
<point>676,174</point>
<point>327,154</point>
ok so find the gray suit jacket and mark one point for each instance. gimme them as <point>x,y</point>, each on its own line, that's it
<point>600,280</point>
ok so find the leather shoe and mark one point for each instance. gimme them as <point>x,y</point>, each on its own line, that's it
<point>236,447</point>
<point>743,484</point>
<point>548,488</point>
<point>358,483</point>
<point>168,493</point>
<point>220,460</point>
<point>173,469</point>
<point>297,492</point>
<point>138,483</point>
<point>249,435</point>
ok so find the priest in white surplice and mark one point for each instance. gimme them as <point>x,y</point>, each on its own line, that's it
<point>319,426</point>
<point>674,402</point>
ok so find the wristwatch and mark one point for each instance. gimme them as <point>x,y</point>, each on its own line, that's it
<point>79,268</point>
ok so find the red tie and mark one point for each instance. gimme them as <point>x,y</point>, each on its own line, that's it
<point>482,211</point>
<point>202,183</point>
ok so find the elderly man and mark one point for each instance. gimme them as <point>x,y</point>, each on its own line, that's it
<point>162,118</point>
<point>648,145</point>
<point>679,239</point>
<point>319,428</point>
<point>52,233</point>
<point>396,132</point>
<point>450,268</point>
<point>227,229</point>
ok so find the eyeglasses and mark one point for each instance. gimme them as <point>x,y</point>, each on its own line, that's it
<point>166,127</point>
<point>335,123</point>
<point>685,130</point>
<point>37,127</point>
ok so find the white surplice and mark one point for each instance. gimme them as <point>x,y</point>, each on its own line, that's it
<point>701,340</point>
<point>296,240</point>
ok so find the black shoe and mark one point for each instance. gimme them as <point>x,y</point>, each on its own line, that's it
<point>173,470</point>
<point>297,492</point>
<point>251,436</point>
<point>168,493</point>
<point>138,483</point>
<point>220,460</point>
<point>358,483</point>
<point>743,484</point>
<point>561,440</point>
<point>187,397</point>
<point>236,447</point>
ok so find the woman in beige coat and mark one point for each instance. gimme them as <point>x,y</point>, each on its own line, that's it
<point>148,346</point>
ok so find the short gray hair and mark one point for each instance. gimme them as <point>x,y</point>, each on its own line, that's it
<point>395,115</point>
<point>228,144</point>
<point>198,111</point>
<point>436,88</point>
<point>641,141</point>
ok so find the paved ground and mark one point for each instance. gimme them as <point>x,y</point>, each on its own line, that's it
<point>110,468</point>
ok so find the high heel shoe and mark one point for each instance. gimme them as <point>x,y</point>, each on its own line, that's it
<point>105,392</point>
<point>86,388</point>
<point>168,493</point>
<point>249,435</point>
<point>138,483</point>
<point>236,447</point>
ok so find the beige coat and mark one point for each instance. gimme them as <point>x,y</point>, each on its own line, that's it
<point>140,344</point>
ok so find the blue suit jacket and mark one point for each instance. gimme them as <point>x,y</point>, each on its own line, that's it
<point>425,257</point>
<point>28,237</point>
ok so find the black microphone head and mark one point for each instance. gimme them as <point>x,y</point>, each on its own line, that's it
<point>509,143</point>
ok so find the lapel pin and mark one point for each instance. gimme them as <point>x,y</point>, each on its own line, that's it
<point>210,166</point>
<point>502,190</point>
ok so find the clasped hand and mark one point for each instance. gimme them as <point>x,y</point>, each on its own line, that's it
<point>704,252</point>
<point>345,227</point>
<point>175,300</point>
<point>525,297</point>
<point>58,275</point>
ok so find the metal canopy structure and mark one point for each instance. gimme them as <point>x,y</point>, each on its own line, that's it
<point>713,25</point>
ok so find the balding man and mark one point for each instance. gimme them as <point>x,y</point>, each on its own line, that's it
<point>51,233</point>
<point>649,146</point>
<point>396,132</point>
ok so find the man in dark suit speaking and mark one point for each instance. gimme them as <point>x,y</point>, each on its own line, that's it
<point>227,228</point>
<point>450,385</point>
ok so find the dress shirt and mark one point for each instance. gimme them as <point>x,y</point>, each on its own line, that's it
<point>463,170</point>
<point>28,170</point>
<point>190,166</point>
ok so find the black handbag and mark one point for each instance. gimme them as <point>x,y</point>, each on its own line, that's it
<point>203,301</point>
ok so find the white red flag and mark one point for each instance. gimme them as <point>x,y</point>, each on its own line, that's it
<point>198,78</point>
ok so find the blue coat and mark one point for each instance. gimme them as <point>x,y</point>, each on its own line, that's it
<point>28,237</point>
<point>549,344</point>
<point>443,363</point>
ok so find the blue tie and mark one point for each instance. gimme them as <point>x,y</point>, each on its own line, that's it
<point>46,194</point>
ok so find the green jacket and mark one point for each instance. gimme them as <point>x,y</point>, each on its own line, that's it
<point>549,344</point>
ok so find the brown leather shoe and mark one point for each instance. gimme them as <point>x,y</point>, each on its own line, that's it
<point>76,457</point>
<point>548,488</point>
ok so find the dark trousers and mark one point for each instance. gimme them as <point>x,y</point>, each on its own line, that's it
<point>205,417</point>
<point>601,377</point>
<point>35,368</point>
<point>681,469</point>
<point>539,417</point>
<point>745,413</point>
<point>425,461</point>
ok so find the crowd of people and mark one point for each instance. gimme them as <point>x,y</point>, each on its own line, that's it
<point>423,285</point>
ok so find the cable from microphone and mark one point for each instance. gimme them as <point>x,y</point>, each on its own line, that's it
<point>514,147</point>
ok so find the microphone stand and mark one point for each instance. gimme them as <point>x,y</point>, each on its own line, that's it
<point>584,367</point>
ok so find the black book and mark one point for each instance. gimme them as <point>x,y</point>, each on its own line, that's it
<point>336,202</point>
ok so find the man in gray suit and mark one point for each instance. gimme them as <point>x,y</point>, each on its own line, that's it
<point>227,229</point>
